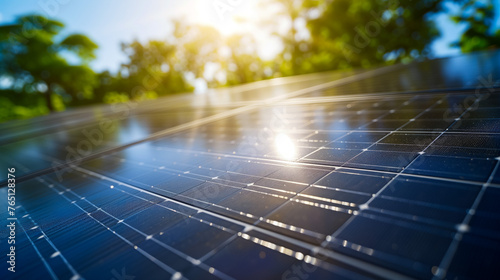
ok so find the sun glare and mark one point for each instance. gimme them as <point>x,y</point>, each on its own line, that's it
<point>235,17</point>
<point>284,146</point>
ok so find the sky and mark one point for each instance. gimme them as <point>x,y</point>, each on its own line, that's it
<point>109,23</point>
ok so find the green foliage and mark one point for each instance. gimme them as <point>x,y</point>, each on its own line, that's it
<point>478,36</point>
<point>191,52</point>
<point>16,105</point>
<point>242,62</point>
<point>196,46</point>
<point>351,34</point>
<point>115,97</point>
<point>81,45</point>
<point>322,35</point>
<point>35,63</point>
<point>152,67</point>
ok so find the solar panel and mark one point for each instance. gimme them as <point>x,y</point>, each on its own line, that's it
<point>387,173</point>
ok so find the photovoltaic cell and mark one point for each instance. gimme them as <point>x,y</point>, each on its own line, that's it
<point>391,174</point>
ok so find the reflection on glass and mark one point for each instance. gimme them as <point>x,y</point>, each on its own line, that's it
<point>284,146</point>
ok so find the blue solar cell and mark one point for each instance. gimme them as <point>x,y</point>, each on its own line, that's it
<point>359,181</point>
<point>474,169</point>
<point>244,259</point>
<point>193,237</point>
<point>331,156</point>
<point>384,185</point>
<point>396,245</point>
<point>475,258</point>
<point>382,160</point>
<point>302,216</point>
<point>432,192</point>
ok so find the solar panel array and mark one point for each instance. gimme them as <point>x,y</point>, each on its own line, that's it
<point>389,173</point>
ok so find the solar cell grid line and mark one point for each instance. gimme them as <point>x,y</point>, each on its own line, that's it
<point>304,190</point>
<point>342,258</point>
<point>190,173</point>
<point>149,237</point>
<point>383,115</point>
<point>209,178</point>
<point>423,151</point>
<point>366,205</point>
<point>440,272</point>
<point>189,165</point>
<point>47,266</point>
<point>399,128</point>
<point>233,140</point>
<point>62,193</point>
<point>194,169</point>
<point>314,132</point>
<point>179,196</point>
<point>285,203</point>
<point>56,253</point>
<point>451,180</point>
<point>232,112</point>
<point>154,260</point>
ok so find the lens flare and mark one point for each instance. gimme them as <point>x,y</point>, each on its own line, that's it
<point>284,146</point>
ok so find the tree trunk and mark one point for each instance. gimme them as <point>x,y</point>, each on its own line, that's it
<point>48,100</point>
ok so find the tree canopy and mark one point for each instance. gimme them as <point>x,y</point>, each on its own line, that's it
<point>45,72</point>
<point>36,65</point>
<point>480,33</point>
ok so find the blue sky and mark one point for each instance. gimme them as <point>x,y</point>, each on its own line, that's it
<point>111,22</point>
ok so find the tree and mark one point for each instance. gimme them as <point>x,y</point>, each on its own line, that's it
<point>152,66</point>
<point>292,12</point>
<point>34,59</point>
<point>242,64</point>
<point>479,34</point>
<point>198,48</point>
<point>347,34</point>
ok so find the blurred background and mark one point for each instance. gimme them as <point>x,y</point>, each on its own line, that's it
<point>61,54</point>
